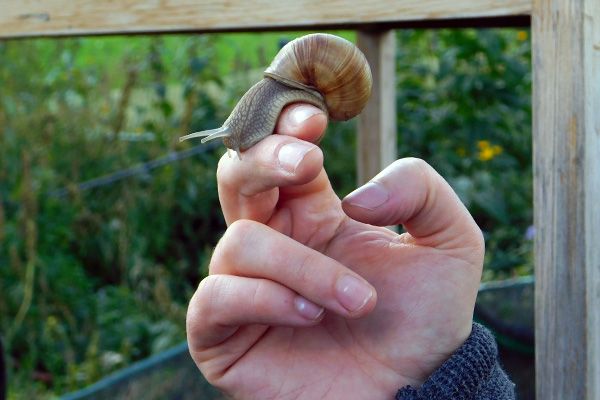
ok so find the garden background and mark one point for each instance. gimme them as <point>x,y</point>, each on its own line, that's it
<point>95,277</point>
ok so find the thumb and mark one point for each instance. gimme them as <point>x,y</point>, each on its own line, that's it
<point>411,193</point>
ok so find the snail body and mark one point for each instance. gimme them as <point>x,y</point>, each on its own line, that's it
<point>320,69</point>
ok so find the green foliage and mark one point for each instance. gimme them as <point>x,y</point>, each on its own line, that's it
<point>464,105</point>
<point>99,278</point>
<point>96,279</point>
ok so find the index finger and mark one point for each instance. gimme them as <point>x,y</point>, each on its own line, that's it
<point>249,188</point>
<point>302,121</point>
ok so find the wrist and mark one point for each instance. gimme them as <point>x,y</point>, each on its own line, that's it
<point>440,351</point>
<point>465,373</point>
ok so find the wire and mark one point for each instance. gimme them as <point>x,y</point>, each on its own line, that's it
<point>135,170</point>
<point>513,335</point>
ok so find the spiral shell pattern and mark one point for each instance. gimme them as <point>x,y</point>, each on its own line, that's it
<point>329,65</point>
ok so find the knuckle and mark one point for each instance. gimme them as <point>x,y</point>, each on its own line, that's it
<point>222,170</point>
<point>241,228</point>
<point>197,307</point>
<point>208,284</point>
<point>476,241</point>
<point>233,242</point>
<point>418,165</point>
<point>412,167</point>
<point>303,271</point>
<point>415,161</point>
<point>211,293</point>
<point>260,299</point>
<point>206,290</point>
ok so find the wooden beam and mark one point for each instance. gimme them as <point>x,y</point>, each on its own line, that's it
<point>26,18</point>
<point>566,107</point>
<point>376,144</point>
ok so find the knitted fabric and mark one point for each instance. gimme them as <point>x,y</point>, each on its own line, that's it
<point>472,373</point>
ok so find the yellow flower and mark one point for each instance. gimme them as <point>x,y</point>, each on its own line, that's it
<point>522,36</point>
<point>486,154</point>
<point>487,151</point>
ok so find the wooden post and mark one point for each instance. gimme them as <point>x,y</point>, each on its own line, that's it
<point>566,106</point>
<point>24,18</point>
<point>376,145</point>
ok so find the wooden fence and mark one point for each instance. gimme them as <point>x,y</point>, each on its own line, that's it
<point>566,125</point>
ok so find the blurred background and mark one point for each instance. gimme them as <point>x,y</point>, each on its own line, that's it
<point>107,221</point>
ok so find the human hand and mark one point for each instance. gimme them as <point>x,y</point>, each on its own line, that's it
<point>310,297</point>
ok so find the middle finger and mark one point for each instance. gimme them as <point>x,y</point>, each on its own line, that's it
<point>254,250</point>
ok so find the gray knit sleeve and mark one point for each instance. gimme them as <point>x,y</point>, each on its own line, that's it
<point>471,373</point>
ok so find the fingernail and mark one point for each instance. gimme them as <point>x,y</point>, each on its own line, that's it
<point>352,293</point>
<point>291,155</point>
<point>308,309</point>
<point>369,196</point>
<point>301,113</point>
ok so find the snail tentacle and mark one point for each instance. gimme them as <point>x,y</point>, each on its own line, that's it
<point>210,134</point>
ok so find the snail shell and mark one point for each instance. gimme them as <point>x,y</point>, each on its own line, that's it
<point>332,66</point>
<point>320,69</point>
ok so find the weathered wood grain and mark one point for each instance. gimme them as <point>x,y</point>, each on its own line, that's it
<point>376,145</point>
<point>91,17</point>
<point>566,101</point>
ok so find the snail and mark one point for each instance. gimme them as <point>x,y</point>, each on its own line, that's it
<point>324,70</point>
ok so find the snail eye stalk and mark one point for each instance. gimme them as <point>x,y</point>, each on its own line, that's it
<point>210,134</point>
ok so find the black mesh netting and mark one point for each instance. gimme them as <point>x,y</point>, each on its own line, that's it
<point>168,375</point>
<point>505,307</point>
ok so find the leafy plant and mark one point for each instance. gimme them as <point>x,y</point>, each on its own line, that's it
<point>464,105</point>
